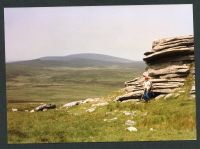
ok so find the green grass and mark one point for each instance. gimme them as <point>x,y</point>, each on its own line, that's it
<point>172,119</point>
<point>65,84</point>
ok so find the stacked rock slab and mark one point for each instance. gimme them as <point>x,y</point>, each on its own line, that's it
<point>168,65</point>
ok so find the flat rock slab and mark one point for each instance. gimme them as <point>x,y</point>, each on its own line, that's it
<point>161,44</point>
<point>71,104</point>
<point>45,106</point>
<point>168,53</point>
<point>131,95</point>
<point>174,69</point>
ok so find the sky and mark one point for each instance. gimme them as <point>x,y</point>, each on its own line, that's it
<point>121,31</point>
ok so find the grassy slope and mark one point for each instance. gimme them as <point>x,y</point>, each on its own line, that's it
<point>171,119</point>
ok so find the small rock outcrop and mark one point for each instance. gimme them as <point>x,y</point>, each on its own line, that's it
<point>44,107</point>
<point>169,63</point>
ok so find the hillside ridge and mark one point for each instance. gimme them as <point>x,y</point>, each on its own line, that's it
<point>80,60</point>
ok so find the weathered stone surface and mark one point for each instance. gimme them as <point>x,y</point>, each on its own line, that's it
<point>134,129</point>
<point>160,96</point>
<point>168,76</point>
<point>136,81</point>
<point>133,88</point>
<point>168,65</point>
<point>14,110</point>
<point>131,95</point>
<point>71,104</point>
<point>174,69</point>
<point>179,44</point>
<point>110,120</point>
<point>148,53</point>
<point>129,113</point>
<point>168,96</point>
<point>168,53</point>
<point>192,91</point>
<point>88,100</point>
<point>100,104</point>
<point>130,123</point>
<point>91,110</point>
<point>173,41</point>
<point>45,106</point>
<point>163,91</point>
<point>32,111</point>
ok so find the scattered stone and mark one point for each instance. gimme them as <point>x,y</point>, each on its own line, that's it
<point>168,96</point>
<point>32,111</point>
<point>100,104</point>
<point>109,120</point>
<point>176,95</point>
<point>71,104</point>
<point>91,110</point>
<point>132,129</point>
<point>151,129</point>
<point>26,110</point>
<point>127,113</point>
<point>130,122</point>
<point>108,113</point>
<point>159,97</point>
<point>14,110</point>
<point>88,100</point>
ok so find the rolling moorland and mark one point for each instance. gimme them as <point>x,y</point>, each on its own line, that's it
<point>61,80</point>
<point>69,78</point>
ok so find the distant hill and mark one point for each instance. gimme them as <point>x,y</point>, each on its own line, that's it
<point>80,60</point>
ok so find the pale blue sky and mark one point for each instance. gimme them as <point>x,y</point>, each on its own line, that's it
<point>122,31</point>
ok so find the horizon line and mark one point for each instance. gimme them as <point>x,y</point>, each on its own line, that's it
<point>69,55</point>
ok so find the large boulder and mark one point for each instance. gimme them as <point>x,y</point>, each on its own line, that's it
<point>168,65</point>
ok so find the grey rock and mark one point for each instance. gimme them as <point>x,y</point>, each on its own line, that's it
<point>44,110</point>
<point>169,70</point>
<point>109,120</point>
<point>172,42</point>
<point>91,110</point>
<point>71,104</point>
<point>168,96</point>
<point>168,52</point>
<point>14,110</point>
<point>131,95</point>
<point>100,104</point>
<point>32,111</point>
<point>160,96</point>
<point>134,129</point>
<point>45,106</point>
<point>130,123</point>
